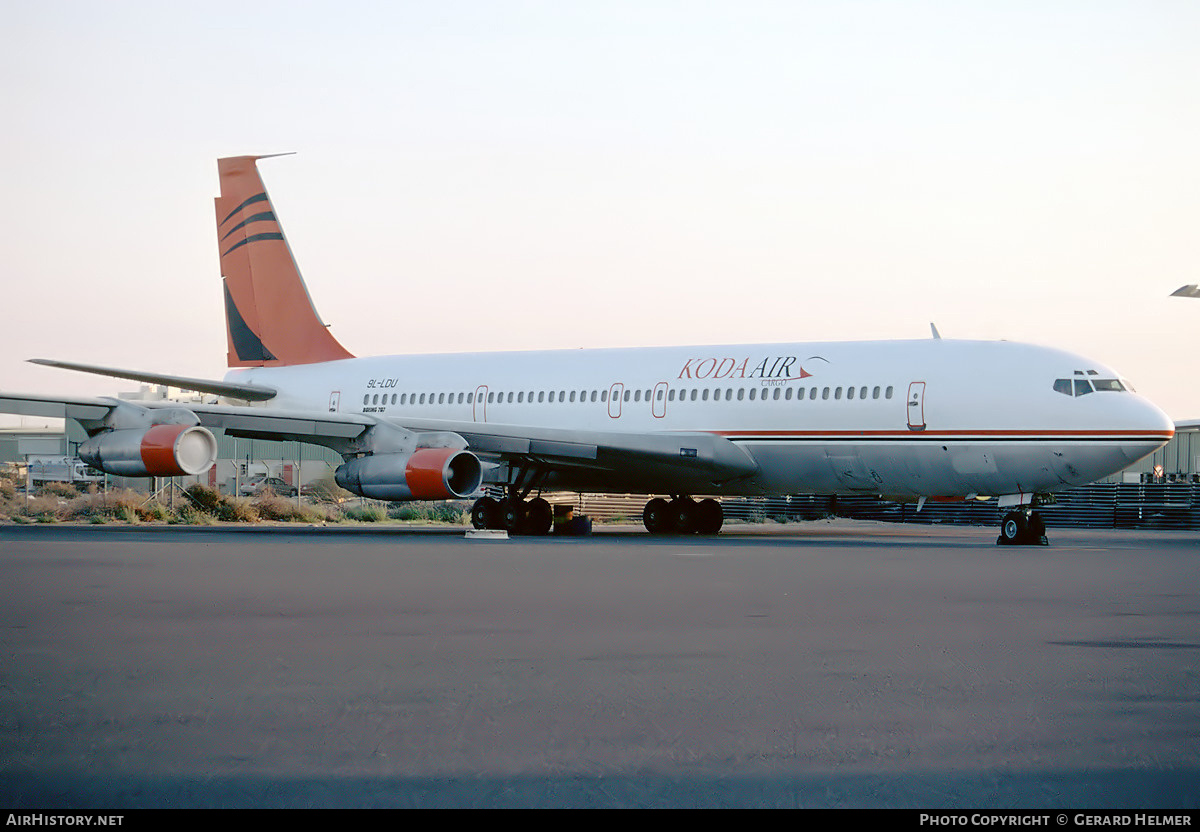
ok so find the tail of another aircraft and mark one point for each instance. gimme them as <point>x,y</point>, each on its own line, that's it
<point>269,317</point>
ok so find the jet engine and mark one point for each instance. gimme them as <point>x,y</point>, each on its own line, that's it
<point>425,474</point>
<point>157,451</point>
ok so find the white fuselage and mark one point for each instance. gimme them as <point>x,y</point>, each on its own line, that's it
<point>915,418</point>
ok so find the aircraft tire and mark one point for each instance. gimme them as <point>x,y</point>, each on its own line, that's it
<point>709,517</point>
<point>510,516</point>
<point>684,513</point>
<point>484,513</point>
<point>539,517</point>
<point>657,516</point>
<point>1014,529</point>
<point>1037,530</point>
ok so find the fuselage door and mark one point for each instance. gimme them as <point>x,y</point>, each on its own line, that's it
<point>479,404</point>
<point>916,406</point>
<point>335,401</point>
<point>658,405</point>
<point>614,400</point>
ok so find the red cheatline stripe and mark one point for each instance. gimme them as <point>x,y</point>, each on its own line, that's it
<point>1153,434</point>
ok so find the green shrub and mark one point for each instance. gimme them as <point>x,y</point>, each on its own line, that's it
<point>366,514</point>
<point>408,511</point>
<point>448,513</point>
<point>126,513</point>
<point>270,507</point>
<point>194,517</point>
<point>57,489</point>
<point>237,511</point>
<point>42,506</point>
<point>151,512</point>
<point>207,499</point>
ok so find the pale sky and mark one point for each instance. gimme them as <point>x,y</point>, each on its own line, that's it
<point>525,175</point>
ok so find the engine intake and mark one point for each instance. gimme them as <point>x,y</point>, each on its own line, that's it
<point>425,474</point>
<point>157,451</point>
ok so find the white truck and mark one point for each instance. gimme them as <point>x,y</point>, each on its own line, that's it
<point>48,468</point>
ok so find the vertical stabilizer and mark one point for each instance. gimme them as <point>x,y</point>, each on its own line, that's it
<point>270,319</point>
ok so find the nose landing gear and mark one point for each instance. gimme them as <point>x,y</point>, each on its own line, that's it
<point>1023,527</point>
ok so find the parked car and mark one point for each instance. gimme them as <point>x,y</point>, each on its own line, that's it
<point>257,485</point>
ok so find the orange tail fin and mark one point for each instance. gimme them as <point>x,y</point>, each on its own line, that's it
<point>269,317</point>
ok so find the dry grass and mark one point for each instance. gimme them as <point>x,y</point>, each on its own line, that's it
<point>62,503</point>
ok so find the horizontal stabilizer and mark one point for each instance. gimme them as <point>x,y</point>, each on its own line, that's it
<point>1189,291</point>
<point>245,392</point>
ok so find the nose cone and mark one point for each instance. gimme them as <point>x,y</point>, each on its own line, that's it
<point>1149,429</point>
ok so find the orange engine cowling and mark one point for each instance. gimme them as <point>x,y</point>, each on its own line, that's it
<point>157,451</point>
<point>425,474</point>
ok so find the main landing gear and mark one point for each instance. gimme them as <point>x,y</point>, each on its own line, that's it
<point>1022,527</point>
<point>683,515</point>
<point>513,515</point>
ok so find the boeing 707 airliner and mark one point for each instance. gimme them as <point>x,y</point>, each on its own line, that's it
<point>929,419</point>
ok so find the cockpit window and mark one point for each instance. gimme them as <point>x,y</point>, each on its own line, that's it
<point>1083,386</point>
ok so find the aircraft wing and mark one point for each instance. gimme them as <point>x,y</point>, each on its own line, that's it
<point>80,408</point>
<point>704,456</point>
